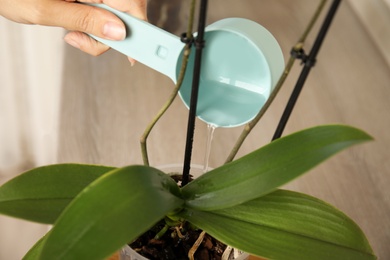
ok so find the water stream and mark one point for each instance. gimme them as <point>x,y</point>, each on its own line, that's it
<point>209,140</point>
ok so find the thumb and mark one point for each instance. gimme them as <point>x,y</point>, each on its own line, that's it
<point>84,18</point>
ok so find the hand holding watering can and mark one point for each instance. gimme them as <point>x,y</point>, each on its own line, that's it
<point>241,64</point>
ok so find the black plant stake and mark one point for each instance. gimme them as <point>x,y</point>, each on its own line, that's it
<point>199,44</point>
<point>308,61</point>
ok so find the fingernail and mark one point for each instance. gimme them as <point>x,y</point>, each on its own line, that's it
<point>132,61</point>
<point>72,42</point>
<point>114,31</point>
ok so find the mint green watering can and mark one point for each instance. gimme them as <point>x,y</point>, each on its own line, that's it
<point>241,63</point>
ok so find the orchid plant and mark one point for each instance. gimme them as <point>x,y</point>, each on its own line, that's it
<point>95,210</point>
<point>103,208</point>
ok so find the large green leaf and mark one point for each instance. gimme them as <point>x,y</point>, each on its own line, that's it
<point>112,211</point>
<point>41,194</point>
<point>264,170</point>
<point>285,225</point>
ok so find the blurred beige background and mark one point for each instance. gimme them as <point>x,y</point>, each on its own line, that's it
<point>60,105</point>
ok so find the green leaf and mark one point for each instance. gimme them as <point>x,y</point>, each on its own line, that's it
<point>285,225</point>
<point>266,169</point>
<point>41,194</point>
<point>112,211</point>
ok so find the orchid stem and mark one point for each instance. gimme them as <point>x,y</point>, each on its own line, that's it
<point>186,54</point>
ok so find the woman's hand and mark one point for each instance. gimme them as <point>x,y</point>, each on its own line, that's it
<point>77,18</point>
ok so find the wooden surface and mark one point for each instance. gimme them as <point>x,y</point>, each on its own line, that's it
<point>375,17</point>
<point>106,104</point>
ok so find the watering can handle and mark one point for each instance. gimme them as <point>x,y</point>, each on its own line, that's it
<point>146,43</point>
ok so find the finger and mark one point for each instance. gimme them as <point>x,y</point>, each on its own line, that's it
<point>84,18</point>
<point>85,43</point>
<point>132,61</point>
<point>136,8</point>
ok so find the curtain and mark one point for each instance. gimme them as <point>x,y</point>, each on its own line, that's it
<point>30,80</point>
<point>31,59</point>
